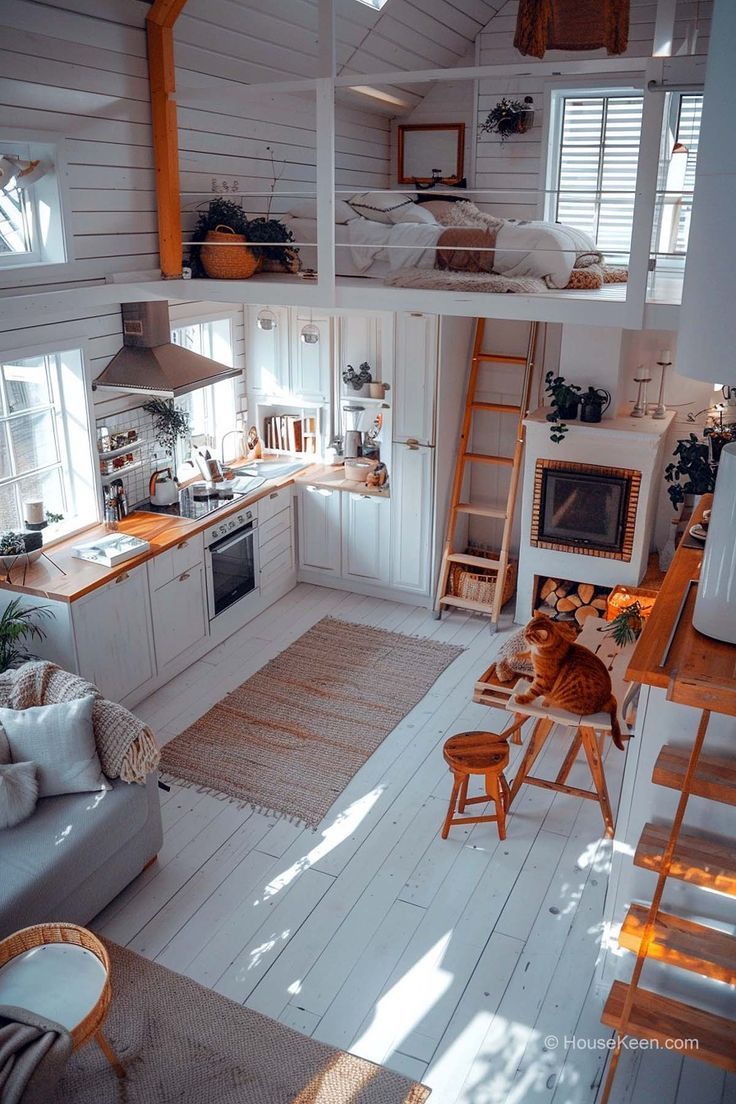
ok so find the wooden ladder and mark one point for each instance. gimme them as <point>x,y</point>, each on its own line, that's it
<point>674,940</point>
<point>450,554</point>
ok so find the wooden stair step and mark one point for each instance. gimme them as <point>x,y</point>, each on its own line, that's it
<point>485,458</point>
<point>654,1016</point>
<point>479,510</point>
<point>474,561</point>
<point>500,358</point>
<point>498,408</point>
<point>714,778</point>
<point>683,943</point>
<point>705,861</point>
<point>466,603</point>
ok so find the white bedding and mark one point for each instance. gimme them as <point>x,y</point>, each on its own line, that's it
<point>305,230</point>
<point>412,244</point>
<point>558,250</point>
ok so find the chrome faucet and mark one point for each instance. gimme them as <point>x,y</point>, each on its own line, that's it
<point>229,433</point>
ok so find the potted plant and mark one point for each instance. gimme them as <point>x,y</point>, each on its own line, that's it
<point>19,547</point>
<point>719,435</point>
<point>509,117</point>
<point>279,256</point>
<point>564,399</point>
<point>222,231</point>
<point>16,626</point>
<point>693,472</point>
<point>170,423</point>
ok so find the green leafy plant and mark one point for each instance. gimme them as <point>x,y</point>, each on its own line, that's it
<point>18,625</point>
<point>219,212</point>
<point>563,397</point>
<point>170,422</point>
<point>52,518</point>
<point>225,212</point>
<point>272,230</point>
<point>356,380</point>
<point>627,625</point>
<point>508,117</point>
<point>12,543</point>
<point>693,471</point>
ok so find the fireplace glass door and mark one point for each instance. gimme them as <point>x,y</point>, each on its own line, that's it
<point>583,509</point>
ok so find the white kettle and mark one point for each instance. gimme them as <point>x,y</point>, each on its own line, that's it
<point>163,488</point>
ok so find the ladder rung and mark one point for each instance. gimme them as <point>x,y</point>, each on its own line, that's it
<point>466,603</point>
<point>679,942</point>
<point>707,861</point>
<point>714,778</point>
<point>499,408</point>
<point>499,358</point>
<point>483,458</point>
<point>474,561</point>
<point>479,510</point>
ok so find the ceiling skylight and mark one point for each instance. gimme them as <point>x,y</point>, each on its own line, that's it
<point>375,4</point>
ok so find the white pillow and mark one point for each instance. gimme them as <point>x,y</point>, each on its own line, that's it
<point>18,792</point>
<point>60,740</point>
<point>307,208</point>
<point>377,206</point>
<point>415,212</point>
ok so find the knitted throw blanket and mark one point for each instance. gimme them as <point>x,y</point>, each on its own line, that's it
<point>127,748</point>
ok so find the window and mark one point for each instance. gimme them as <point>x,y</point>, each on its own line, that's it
<point>592,166</point>
<point>44,440</point>
<point>31,222</point>
<point>677,164</point>
<point>212,410</point>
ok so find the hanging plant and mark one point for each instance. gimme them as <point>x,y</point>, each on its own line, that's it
<point>170,423</point>
<point>509,117</point>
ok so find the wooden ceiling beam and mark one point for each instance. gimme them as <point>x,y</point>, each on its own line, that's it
<point>162,82</point>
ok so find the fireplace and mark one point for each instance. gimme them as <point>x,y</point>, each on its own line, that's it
<point>584,508</point>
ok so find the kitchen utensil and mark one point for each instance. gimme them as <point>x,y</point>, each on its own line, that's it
<point>162,488</point>
<point>353,438</point>
<point>592,404</point>
<point>358,468</point>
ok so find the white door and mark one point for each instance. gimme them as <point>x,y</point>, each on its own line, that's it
<point>319,529</point>
<point>112,630</point>
<point>366,522</point>
<point>267,363</point>
<point>310,361</point>
<point>179,615</point>
<point>415,378</point>
<point>412,477</point>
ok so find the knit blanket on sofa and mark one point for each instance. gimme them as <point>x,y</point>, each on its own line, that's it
<point>126,746</point>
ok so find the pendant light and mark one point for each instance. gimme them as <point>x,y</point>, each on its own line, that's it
<point>266,319</point>
<point>310,332</point>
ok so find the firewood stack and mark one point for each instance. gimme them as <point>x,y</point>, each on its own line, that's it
<point>569,601</point>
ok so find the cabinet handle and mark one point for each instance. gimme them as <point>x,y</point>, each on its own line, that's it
<point>274,494</point>
<point>123,577</point>
<point>182,544</point>
<point>412,443</point>
<point>184,576</point>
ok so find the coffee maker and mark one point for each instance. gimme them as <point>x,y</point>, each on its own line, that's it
<point>353,434</point>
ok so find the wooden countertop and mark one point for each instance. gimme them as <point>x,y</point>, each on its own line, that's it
<point>672,654</point>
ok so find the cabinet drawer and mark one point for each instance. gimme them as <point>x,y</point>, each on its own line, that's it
<point>277,567</point>
<point>279,524</point>
<point>273,504</point>
<point>170,564</point>
<point>275,546</point>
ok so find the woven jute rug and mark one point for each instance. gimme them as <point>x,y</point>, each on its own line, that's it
<point>180,1042</point>
<point>289,739</point>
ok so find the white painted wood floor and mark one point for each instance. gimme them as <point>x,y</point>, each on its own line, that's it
<point>449,960</point>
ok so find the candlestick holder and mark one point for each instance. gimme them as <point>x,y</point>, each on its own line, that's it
<point>660,410</point>
<point>640,406</point>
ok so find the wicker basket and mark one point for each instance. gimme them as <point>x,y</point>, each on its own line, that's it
<point>477,585</point>
<point>42,934</point>
<point>224,255</point>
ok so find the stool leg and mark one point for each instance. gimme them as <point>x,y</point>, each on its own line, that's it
<point>505,791</point>
<point>493,789</point>
<point>540,732</point>
<point>463,794</point>
<point>457,782</point>
<point>110,1055</point>
<point>599,779</point>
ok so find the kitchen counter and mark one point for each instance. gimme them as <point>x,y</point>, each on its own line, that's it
<point>332,477</point>
<point>695,669</point>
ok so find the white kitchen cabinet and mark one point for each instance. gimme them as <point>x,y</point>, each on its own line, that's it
<point>268,353</point>
<point>319,529</point>
<point>359,339</point>
<point>415,378</point>
<point>112,631</point>
<point>366,521</point>
<point>412,480</point>
<point>179,610</point>
<point>310,363</point>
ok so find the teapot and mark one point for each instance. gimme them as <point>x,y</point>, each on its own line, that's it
<point>163,488</point>
<point>592,404</point>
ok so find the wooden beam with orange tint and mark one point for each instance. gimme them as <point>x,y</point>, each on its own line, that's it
<point>165,12</point>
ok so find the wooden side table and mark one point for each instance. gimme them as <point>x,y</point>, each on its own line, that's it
<point>61,972</point>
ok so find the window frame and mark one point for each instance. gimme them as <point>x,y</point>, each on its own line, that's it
<point>76,446</point>
<point>57,251</point>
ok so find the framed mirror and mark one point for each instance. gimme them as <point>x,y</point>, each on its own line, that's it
<point>431,152</point>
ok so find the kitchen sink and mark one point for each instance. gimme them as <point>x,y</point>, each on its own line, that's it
<point>271,469</point>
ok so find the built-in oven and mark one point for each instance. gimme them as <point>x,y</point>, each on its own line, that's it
<point>231,561</point>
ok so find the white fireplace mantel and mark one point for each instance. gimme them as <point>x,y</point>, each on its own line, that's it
<point>619,441</point>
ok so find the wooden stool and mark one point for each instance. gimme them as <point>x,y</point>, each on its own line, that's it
<point>485,753</point>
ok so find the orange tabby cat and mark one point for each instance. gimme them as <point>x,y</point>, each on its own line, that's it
<point>569,676</point>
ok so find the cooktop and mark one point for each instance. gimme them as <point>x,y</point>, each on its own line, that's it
<point>195,502</point>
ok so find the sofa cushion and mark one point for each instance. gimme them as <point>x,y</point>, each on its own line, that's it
<point>67,838</point>
<point>18,792</point>
<point>60,740</point>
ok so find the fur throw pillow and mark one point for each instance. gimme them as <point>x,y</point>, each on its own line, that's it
<point>514,658</point>
<point>18,793</point>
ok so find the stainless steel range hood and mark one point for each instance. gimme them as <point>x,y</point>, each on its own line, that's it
<point>149,363</point>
